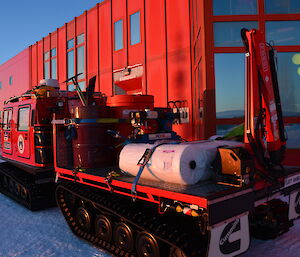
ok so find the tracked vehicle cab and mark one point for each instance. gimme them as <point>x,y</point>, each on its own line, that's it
<point>26,126</point>
<point>26,137</point>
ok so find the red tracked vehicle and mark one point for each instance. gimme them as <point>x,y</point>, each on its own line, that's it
<point>136,216</point>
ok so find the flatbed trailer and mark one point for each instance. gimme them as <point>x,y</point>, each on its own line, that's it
<point>210,218</point>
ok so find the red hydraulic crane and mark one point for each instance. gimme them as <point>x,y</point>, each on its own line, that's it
<point>264,128</point>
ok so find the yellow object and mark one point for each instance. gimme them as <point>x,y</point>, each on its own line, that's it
<point>195,213</point>
<point>296,59</point>
<point>179,208</point>
<point>42,91</point>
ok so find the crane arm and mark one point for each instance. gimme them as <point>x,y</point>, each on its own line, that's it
<point>264,128</point>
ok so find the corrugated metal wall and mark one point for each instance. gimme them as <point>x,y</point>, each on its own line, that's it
<point>16,70</point>
<point>160,64</point>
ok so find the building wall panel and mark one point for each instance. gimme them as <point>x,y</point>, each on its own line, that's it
<point>156,51</point>
<point>46,43</point>
<point>105,47</point>
<point>62,57</point>
<point>178,52</point>
<point>40,60</point>
<point>53,40</point>
<point>92,43</point>
<point>18,69</point>
<point>119,12</point>
<point>136,52</point>
<point>70,29</point>
<point>80,24</point>
<point>33,63</point>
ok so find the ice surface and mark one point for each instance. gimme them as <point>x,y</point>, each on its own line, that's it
<point>45,233</point>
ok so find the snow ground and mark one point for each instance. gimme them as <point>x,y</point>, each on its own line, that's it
<point>41,234</point>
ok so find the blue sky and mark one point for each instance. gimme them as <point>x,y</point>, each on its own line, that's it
<point>23,22</point>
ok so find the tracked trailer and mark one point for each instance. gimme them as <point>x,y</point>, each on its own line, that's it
<point>154,198</point>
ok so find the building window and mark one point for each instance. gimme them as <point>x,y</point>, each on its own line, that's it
<point>230,83</point>
<point>50,64</point>
<point>235,7</point>
<point>229,33</point>
<point>0,84</point>
<point>76,60</point>
<point>135,28</point>
<point>80,39</point>
<point>10,80</point>
<point>289,81</point>
<point>46,56</point>
<point>283,32</point>
<point>71,68</point>
<point>293,134</point>
<point>23,121</point>
<point>282,6</point>
<point>223,129</point>
<point>53,63</point>
<point>82,85</point>
<point>70,43</point>
<point>118,33</point>
<point>80,62</point>
<point>47,70</point>
<point>53,52</point>
<point>53,69</point>
<point>46,65</point>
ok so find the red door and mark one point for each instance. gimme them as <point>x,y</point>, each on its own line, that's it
<point>7,130</point>
<point>22,131</point>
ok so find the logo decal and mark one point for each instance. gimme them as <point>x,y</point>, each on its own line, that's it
<point>227,247</point>
<point>21,144</point>
<point>297,203</point>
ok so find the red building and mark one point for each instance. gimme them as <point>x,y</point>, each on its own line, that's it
<point>177,50</point>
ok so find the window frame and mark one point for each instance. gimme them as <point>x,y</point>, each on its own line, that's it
<point>6,120</point>
<point>140,28</point>
<point>277,13</point>
<point>49,61</point>
<point>122,36</point>
<point>22,107</point>
<point>257,10</point>
<point>75,48</point>
<point>10,80</point>
<point>261,17</point>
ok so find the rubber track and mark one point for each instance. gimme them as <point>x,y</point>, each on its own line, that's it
<point>40,196</point>
<point>109,203</point>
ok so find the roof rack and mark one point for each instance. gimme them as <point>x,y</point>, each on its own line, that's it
<point>17,98</point>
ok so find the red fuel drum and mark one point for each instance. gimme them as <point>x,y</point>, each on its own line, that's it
<point>131,101</point>
<point>93,147</point>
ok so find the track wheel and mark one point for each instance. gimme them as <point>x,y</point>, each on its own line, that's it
<point>11,186</point>
<point>123,237</point>
<point>5,182</point>
<point>103,228</point>
<point>176,252</point>
<point>83,218</point>
<point>146,245</point>
<point>70,199</point>
<point>24,193</point>
<point>17,189</point>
